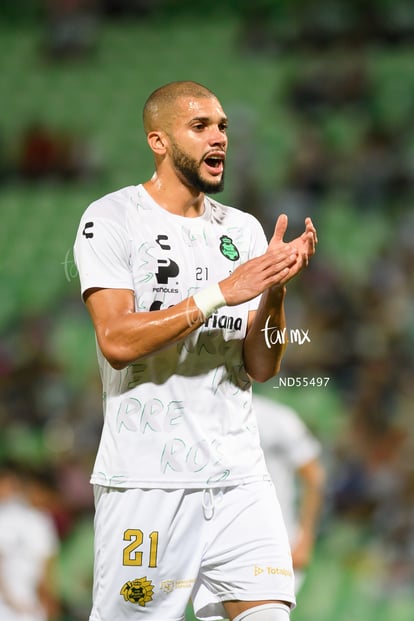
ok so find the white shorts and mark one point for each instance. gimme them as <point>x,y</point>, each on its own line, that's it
<point>155,549</point>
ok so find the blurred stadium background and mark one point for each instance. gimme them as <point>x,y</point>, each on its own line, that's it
<point>320,95</point>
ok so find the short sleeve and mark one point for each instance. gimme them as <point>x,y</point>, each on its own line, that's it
<point>284,433</point>
<point>102,254</point>
<point>299,444</point>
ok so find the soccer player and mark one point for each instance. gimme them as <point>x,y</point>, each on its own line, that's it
<point>180,288</point>
<point>28,551</point>
<point>293,458</point>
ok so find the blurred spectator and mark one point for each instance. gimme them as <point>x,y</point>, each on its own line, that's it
<point>28,548</point>
<point>330,85</point>
<point>73,476</point>
<point>308,177</point>
<point>293,458</point>
<point>45,494</point>
<point>71,28</point>
<point>35,390</point>
<point>40,152</point>
<point>320,24</point>
<point>48,154</point>
<point>373,484</point>
<point>379,173</point>
<point>137,8</point>
<point>4,164</point>
<point>311,166</point>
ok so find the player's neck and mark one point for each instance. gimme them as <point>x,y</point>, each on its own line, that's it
<point>175,197</point>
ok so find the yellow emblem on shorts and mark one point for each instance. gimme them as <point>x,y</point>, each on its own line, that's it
<point>138,591</point>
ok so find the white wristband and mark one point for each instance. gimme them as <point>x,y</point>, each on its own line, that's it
<point>209,300</point>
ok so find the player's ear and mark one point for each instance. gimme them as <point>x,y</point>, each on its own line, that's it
<point>157,141</point>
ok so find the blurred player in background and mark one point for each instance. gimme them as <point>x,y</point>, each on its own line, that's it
<point>180,289</point>
<point>293,458</point>
<point>28,550</point>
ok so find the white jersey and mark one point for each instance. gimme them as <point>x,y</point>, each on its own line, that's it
<point>287,444</point>
<point>27,541</point>
<point>181,417</point>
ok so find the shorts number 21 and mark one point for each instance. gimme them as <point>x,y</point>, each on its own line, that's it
<point>132,555</point>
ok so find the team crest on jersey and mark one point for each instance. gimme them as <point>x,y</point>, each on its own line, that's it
<point>139,591</point>
<point>228,249</point>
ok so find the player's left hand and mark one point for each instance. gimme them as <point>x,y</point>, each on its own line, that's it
<point>305,244</point>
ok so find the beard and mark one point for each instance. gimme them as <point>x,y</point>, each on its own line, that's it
<point>188,170</point>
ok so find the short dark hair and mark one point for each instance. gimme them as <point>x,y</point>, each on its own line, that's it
<point>164,96</point>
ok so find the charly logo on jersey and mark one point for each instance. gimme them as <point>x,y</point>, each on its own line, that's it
<point>87,230</point>
<point>228,248</point>
<point>161,239</point>
<point>139,591</point>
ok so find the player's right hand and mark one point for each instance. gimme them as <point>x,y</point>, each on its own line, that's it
<point>280,263</point>
<point>255,276</point>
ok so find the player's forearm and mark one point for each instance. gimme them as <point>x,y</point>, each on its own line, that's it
<point>48,592</point>
<point>309,511</point>
<point>134,335</point>
<point>307,529</point>
<point>312,489</point>
<point>264,346</point>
